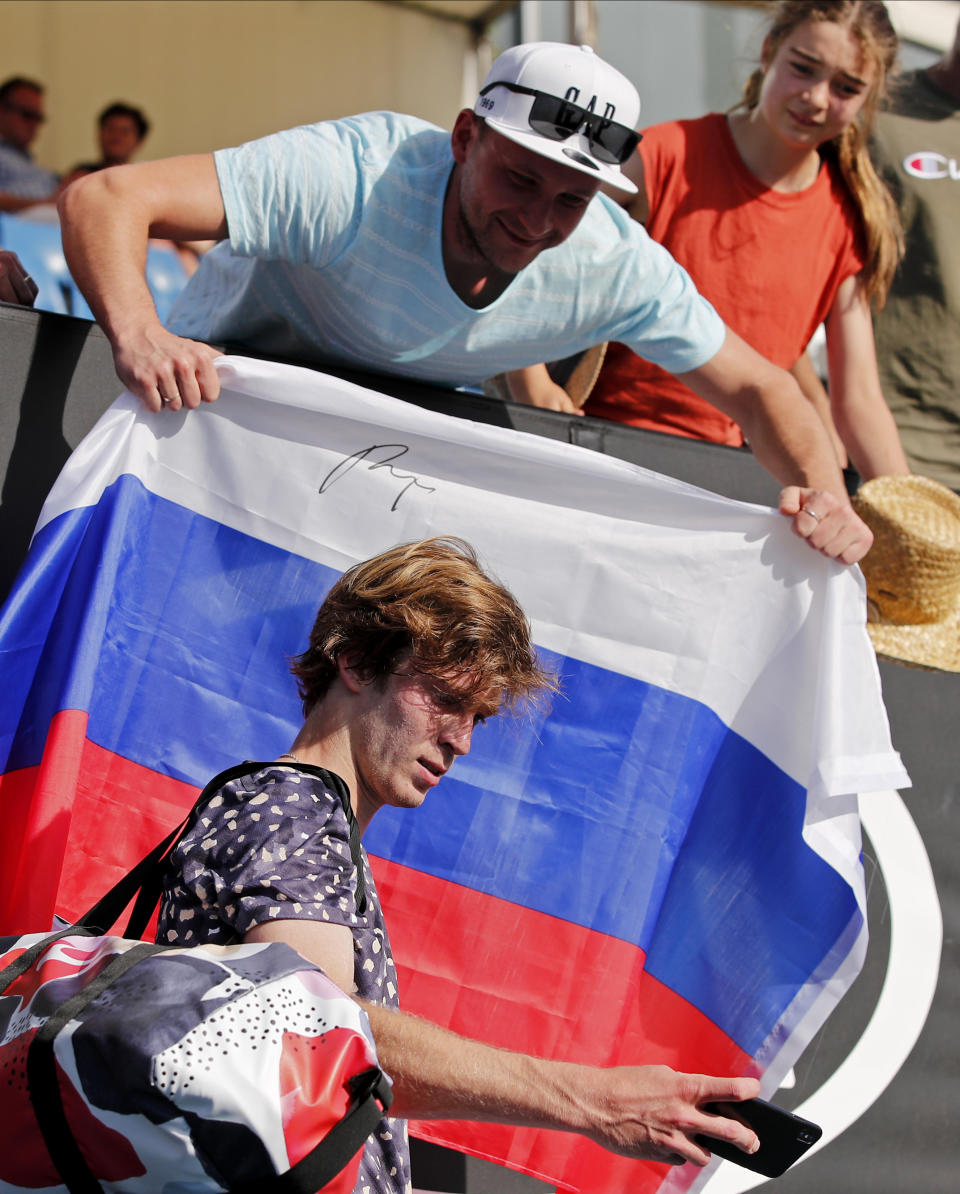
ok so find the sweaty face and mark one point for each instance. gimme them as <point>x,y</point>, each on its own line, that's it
<point>21,115</point>
<point>411,730</point>
<point>815,84</point>
<point>513,203</point>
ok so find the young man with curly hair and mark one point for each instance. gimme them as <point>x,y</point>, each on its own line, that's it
<point>410,651</point>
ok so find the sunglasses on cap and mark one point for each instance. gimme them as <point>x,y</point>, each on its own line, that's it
<point>558,119</point>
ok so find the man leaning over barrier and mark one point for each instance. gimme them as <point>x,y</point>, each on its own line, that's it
<point>382,242</point>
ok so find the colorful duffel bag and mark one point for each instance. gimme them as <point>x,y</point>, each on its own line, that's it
<point>133,1067</point>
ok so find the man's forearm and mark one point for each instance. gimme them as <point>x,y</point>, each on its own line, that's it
<point>439,1075</point>
<point>649,1112</point>
<point>105,232</point>
<point>784,431</point>
<point>796,445</point>
<point>789,438</point>
<point>106,219</point>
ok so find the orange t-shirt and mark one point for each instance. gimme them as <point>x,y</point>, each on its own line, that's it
<point>770,262</point>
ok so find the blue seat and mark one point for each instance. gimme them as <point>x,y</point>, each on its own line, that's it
<point>38,247</point>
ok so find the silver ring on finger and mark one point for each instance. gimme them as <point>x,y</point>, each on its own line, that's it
<point>813,514</point>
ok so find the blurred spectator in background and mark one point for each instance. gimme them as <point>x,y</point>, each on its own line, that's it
<point>121,130</point>
<point>30,228</point>
<point>22,182</point>
<point>917,149</point>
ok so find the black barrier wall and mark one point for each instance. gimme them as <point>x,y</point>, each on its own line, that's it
<point>56,379</point>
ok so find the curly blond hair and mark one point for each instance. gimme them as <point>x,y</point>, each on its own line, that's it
<point>428,605</point>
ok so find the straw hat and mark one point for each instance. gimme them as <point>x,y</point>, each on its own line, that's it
<point>577,375</point>
<point>913,569</point>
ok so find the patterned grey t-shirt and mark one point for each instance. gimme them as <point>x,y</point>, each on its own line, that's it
<point>275,844</point>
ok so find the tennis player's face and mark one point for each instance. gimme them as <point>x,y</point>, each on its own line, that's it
<point>410,729</point>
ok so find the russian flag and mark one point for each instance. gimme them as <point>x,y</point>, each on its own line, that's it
<point>664,867</point>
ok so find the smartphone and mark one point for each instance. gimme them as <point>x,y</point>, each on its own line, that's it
<point>784,1137</point>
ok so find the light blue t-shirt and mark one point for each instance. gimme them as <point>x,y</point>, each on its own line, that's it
<point>335,254</point>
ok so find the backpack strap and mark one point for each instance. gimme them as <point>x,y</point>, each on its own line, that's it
<point>145,880</point>
<point>372,1097</point>
<point>42,1083</point>
<point>330,780</point>
<point>336,784</point>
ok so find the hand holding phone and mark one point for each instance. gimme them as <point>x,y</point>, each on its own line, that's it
<point>784,1137</point>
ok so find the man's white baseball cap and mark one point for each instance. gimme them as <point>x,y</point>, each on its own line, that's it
<point>565,103</point>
